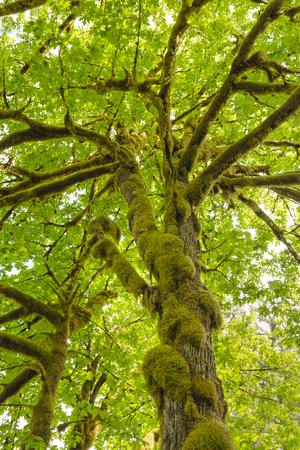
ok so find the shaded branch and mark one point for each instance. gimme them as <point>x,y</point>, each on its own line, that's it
<point>38,132</point>
<point>36,176</point>
<point>56,186</point>
<point>269,14</point>
<point>13,315</point>
<point>264,88</point>
<point>31,304</point>
<point>201,186</point>
<point>13,387</point>
<point>283,179</point>
<point>20,6</point>
<point>127,275</point>
<point>292,194</point>
<point>278,232</point>
<point>179,28</point>
<point>18,344</point>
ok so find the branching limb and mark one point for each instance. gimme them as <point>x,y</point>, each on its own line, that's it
<point>129,278</point>
<point>292,194</point>
<point>13,315</point>
<point>31,304</point>
<point>20,6</point>
<point>201,186</point>
<point>179,28</point>
<point>56,186</point>
<point>283,179</point>
<point>14,386</point>
<point>190,153</point>
<point>264,88</point>
<point>35,176</point>
<point>17,344</point>
<point>33,134</point>
<point>271,224</point>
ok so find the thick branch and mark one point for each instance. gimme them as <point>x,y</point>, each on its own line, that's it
<point>20,6</point>
<point>264,88</point>
<point>35,176</point>
<point>31,304</point>
<point>292,194</point>
<point>269,14</point>
<point>36,133</point>
<point>14,387</point>
<point>13,315</point>
<point>201,186</point>
<point>17,344</point>
<point>283,179</point>
<point>129,278</point>
<point>190,153</point>
<point>57,185</point>
<point>271,224</point>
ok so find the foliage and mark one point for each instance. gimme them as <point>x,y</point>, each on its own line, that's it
<point>88,90</point>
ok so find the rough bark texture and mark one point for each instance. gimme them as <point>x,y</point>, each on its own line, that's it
<point>180,372</point>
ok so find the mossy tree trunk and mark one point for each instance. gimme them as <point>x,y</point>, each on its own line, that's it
<point>51,370</point>
<point>180,372</point>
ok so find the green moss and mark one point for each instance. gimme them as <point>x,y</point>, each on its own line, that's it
<point>190,409</point>
<point>210,304</point>
<point>128,276</point>
<point>105,249</point>
<point>183,207</point>
<point>179,325</point>
<point>209,434</point>
<point>164,256</point>
<point>105,225</point>
<point>166,371</point>
<point>140,215</point>
<point>130,279</point>
<point>204,388</point>
<point>204,299</point>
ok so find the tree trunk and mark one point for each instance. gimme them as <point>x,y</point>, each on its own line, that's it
<point>180,372</point>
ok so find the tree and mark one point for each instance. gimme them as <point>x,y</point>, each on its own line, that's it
<point>149,150</point>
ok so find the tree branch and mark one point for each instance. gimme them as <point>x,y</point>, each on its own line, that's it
<point>129,278</point>
<point>200,187</point>
<point>293,194</point>
<point>35,133</point>
<point>282,179</point>
<point>56,186</point>
<point>271,224</point>
<point>264,88</point>
<point>20,6</point>
<point>17,344</point>
<point>31,304</point>
<point>14,386</point>
<point>190,153</point>
<point>13,315</point>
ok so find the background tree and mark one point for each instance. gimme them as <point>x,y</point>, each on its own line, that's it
<point>149,151</point>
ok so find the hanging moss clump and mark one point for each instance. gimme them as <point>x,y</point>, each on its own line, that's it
<point>166,371</point>
<point>179,325</point>
<point>209,434</point>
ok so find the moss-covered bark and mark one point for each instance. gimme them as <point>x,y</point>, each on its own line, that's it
<point>180,372</point>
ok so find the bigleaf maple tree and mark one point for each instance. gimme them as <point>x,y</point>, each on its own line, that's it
<point>149,180</point>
